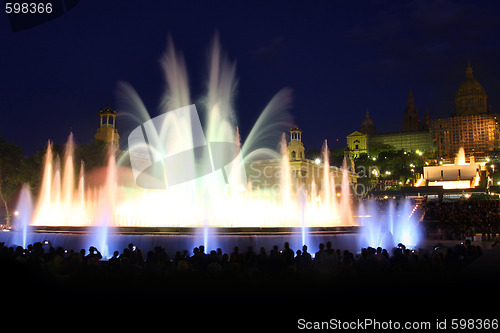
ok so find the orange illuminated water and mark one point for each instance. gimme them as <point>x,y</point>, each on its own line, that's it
<point>67,199</point>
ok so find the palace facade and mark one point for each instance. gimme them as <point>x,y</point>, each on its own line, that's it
<point>472,126</point>
<point>267,173</point>
<point>415,135</point>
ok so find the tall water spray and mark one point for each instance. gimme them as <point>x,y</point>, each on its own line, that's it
<point>326,187</point>
<point>387,224</point>
<point>345,200</point>
<point>23,215</point>
<point>207,202</point>
<point>106,208</point>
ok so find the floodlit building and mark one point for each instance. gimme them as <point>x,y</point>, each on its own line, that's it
<point>304,172</point>
<point>472,126</point>
<point>459,175</point>
<point>358,143</point>
<point>415,135</point>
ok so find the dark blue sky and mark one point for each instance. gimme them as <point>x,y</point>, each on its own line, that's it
<point>339,57</point>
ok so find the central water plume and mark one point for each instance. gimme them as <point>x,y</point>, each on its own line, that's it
<point>206,202</point>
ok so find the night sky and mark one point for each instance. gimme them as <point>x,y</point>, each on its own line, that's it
<point>339,57</point>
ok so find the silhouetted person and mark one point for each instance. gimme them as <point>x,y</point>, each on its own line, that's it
<point>274,259</point>
<point>114,262</point>
<point>320,259</point>
<point>235,255</point>
<point>306,259</point>
<point>262,260</point>
<point>287,255</point>
<point>330,258</point>
<point>93,254</point>
<point>250,258</point>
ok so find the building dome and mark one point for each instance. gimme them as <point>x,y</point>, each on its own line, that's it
<point>470,97</point>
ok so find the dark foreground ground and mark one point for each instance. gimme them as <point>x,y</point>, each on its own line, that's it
<point>287,299</point>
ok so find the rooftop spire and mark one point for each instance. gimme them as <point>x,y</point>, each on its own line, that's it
<point>367,126</point>
<point>468,71</point>
<point>411,102</point>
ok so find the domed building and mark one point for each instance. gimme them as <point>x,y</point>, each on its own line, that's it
<point>472,126</point>
<point>471,97</point>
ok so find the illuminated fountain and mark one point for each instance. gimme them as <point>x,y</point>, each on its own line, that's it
<point>206,200</point>
<point>207,206</point>
<point>61,204</point>
<point>214,202</point>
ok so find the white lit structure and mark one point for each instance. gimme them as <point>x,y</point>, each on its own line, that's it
<point>459,175</point>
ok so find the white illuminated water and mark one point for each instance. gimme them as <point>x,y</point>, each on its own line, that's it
<point>67,200</point>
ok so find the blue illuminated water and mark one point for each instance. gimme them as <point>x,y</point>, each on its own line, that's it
<point>388,223</point>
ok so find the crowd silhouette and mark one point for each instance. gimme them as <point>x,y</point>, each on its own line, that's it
<point>461,219</point>
<point>58,264</point>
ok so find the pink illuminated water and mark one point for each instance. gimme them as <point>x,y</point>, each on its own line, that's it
<point>67,200</point>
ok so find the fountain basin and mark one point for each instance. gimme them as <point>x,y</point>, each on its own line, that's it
<point>193,230</point>
<point>76,238</point>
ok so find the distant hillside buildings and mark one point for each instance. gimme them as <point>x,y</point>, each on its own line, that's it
<point>472,126</point>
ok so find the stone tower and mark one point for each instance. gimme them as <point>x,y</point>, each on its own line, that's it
<point>107,131</point>
<point>295,146</point>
